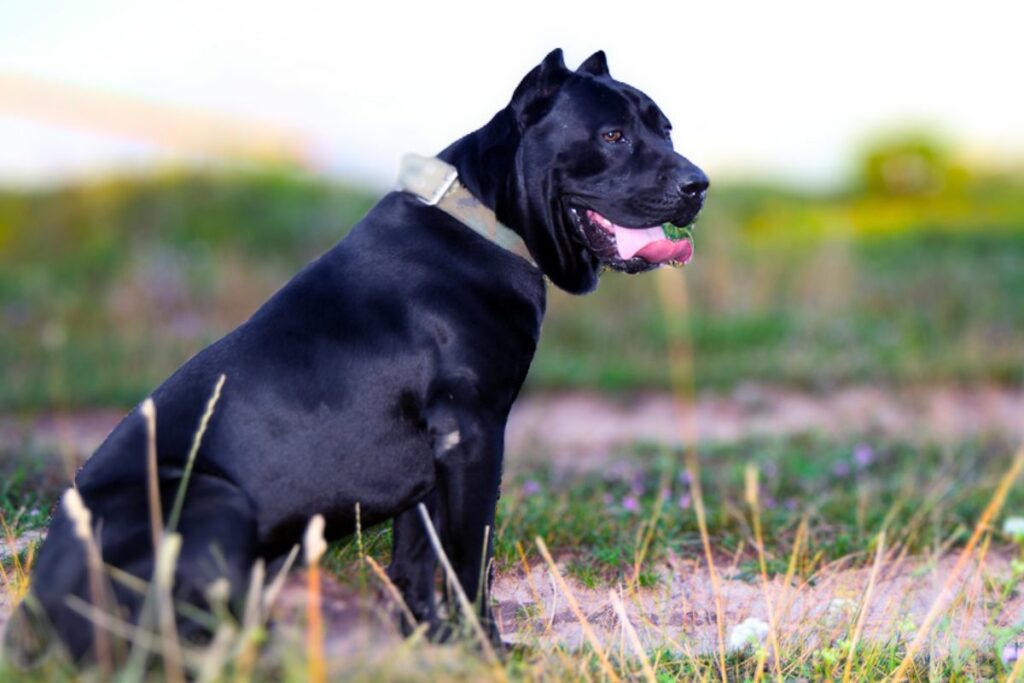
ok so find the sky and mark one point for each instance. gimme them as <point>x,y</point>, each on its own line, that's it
<point>778,90</point>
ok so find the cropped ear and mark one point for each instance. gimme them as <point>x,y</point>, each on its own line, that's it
<point>538,86</point>
<point>596,65</point>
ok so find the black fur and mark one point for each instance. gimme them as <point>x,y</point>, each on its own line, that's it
<point>346,386</point>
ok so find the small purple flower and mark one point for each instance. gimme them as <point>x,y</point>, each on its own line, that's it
<point>684,477</point>
<point>530,487</point>
<point>666,494</point>
<point>607,500</point>
<point>630,504</point>
<point>639,485</point>
<point>684,501</point>
<point>769,502</point>
<point>863,455</point>
<point>1011,653</point>
<point>841,468</point>
<point>790,504</point>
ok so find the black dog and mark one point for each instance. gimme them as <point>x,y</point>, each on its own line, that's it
<point>384,372</point>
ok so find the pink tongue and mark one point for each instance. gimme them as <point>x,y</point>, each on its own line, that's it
<point>651,245</point>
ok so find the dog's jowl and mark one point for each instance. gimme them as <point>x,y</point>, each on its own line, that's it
<point>383,373</point>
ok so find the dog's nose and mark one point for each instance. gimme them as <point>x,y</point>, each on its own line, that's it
<point>690,181</point>
<point>694,183</point>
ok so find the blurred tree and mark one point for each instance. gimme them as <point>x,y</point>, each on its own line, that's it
<point>910,164</point>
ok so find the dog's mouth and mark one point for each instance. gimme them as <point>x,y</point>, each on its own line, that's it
<point>632,250</point>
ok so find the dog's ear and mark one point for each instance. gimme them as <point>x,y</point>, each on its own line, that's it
<point>595,65</point>
<point>538,86</point>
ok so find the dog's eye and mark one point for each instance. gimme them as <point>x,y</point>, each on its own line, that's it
<point>612,136</point>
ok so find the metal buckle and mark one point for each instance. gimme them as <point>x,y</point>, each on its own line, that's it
<point>442,189</point>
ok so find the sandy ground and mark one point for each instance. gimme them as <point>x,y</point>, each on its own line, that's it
<point>581,430</point>
<point>682,613</point>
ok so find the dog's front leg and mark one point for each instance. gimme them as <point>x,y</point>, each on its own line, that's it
<point>468,450</point>
<point>413,564</point>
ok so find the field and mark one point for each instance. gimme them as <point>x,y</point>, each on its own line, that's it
<point>865,549</point>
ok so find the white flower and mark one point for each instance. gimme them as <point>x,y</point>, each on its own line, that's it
<point>751,632</point>
<point>841,606</point>
<point>1014,526</point>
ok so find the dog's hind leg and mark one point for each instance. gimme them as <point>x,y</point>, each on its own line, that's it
<point>218,529</point>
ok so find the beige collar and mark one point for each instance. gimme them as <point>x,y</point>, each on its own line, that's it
<point>436,183</point>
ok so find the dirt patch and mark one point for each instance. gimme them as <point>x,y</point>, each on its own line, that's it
<point>581,429</point>
<point>682,613</point>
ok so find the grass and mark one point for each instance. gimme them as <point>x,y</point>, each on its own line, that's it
<point>820,504</point>
<point>875,283</point>
<point>106,287</point>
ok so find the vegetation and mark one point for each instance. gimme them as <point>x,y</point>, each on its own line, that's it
<point>106,287</point>
<point>818,508</point>
<point>911,274</point>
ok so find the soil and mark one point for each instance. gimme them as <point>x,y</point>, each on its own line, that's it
<point>583,430</point>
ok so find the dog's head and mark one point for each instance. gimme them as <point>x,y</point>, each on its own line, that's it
<point>596,176</point>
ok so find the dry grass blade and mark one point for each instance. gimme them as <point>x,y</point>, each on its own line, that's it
<point>197,439</point>
<point>166,561</point>
<point>275,587</point>
<point>464,603</point>
<point>674,298</point>
<point>865,603</point>
<point>314,546</point>
<point>393,591</point>
<point>82,520</point>
<point>634,639</point>
<point>156,520</point>
<point>16,583</point>
<point>991,510</point>
<point>588,631</point>
<point>251,623</point>
<point>751,493</point>
<point>648,535</point>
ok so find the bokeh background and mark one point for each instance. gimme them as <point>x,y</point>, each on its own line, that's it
<point>835,382</point>
<point>163,169</point>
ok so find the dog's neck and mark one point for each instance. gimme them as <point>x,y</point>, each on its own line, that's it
<point>476,155</point>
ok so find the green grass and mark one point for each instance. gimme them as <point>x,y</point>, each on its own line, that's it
<point>106,287</point>
<point>924,495</point>
<point>928,498</point>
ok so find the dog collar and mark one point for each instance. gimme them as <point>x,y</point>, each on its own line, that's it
<point>436,183</point>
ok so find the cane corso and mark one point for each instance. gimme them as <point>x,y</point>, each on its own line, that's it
<point>383,373</point>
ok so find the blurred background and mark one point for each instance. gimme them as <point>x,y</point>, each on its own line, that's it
<point>164,169</point>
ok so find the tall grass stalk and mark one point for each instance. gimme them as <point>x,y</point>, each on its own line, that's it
<point>197,439</point>
<point>156,522</point>
<point>674,299</point>
<point>588,630</point>
<point>981,527</point>
<point>631,635</point>
<point>166,563</point>
<point>751,490</point>
<point>81,518</point>
<point>858,628</point>
<point>315,546</point>
<point>464,603</point>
